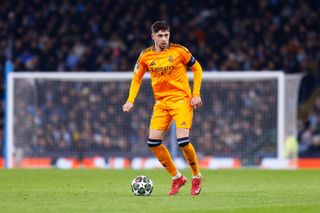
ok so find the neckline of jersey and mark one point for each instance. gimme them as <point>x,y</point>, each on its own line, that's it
<point>154,49</point>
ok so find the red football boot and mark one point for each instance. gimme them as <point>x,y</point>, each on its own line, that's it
<point>176,185</point>
<point>196,186</point>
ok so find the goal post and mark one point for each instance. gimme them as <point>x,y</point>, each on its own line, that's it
<point>79,115</point>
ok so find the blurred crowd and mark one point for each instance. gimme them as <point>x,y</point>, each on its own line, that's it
<point>84,119</point>
<point>54,118</point>
<point>73,35</point>
<point>239,120</point>
<point>309,135</point>
<point>108,35</point>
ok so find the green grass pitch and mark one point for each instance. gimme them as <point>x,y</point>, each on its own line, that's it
<point>109,191</point>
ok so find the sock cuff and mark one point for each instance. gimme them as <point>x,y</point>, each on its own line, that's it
<point>183,141</point>
<point>154,142</point>
<point>176,176</point>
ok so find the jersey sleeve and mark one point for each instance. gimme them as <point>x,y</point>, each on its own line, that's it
<point>197,78</point>
<point>191,62</point>
<point>187,57</point>
<point>140,67</point>
<point>138,73</point>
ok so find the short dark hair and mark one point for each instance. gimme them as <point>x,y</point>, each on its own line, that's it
<point>160,25</point>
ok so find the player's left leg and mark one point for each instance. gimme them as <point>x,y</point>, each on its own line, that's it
<point>182,115</point>
<point>191,157</point>
<point>188,150</point>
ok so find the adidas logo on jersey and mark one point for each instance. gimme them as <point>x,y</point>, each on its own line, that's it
<point>170,59</point>
<point>152,63</point>
<point>183,123</point>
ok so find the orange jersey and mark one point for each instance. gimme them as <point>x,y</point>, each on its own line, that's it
<point>168,70</point>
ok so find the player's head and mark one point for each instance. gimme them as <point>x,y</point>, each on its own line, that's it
<point>160,34</point>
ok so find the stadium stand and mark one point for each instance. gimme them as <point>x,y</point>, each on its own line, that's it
<point>77,35</point>
<point>309,135</point>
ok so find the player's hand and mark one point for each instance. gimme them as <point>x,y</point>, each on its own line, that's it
<point>196,102</point>
<point>127,106</point>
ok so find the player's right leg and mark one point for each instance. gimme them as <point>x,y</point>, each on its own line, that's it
<point>159,124</point>
<point>161,152</point>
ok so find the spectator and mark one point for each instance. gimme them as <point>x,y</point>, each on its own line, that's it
<point>310,135</point>
<point>83,118</point>
<point>101,35</point>
<point>75,35</point>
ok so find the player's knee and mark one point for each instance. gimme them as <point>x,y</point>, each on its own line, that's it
<point>154,142</point>
<point>183,141</point>
<point>182,132</point>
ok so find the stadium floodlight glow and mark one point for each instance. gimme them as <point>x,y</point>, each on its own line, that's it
<point>245,115</point>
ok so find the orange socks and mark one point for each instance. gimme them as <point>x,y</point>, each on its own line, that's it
<point>161,152</point>
<point>189,154</point>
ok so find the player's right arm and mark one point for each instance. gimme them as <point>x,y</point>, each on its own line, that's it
<point>139,71</point>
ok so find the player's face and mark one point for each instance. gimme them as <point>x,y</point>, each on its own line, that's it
<point>161,39</point>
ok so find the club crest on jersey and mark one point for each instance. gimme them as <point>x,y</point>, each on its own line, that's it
<point>170,59</point>
<point>152,63</point>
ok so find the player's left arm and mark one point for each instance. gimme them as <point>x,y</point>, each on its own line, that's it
<point>196,101</point>
<point>191,62</point>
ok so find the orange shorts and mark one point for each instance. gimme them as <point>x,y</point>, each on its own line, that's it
<point>181,112</point>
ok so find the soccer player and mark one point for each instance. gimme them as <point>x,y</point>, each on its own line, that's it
<point>167,64</point>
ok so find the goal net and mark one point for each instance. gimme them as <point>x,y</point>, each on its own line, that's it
<point>79,116</point>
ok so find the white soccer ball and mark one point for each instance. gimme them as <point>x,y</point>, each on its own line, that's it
<point>142,186</point>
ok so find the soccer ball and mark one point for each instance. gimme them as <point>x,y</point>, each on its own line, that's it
<point>141,186</point>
